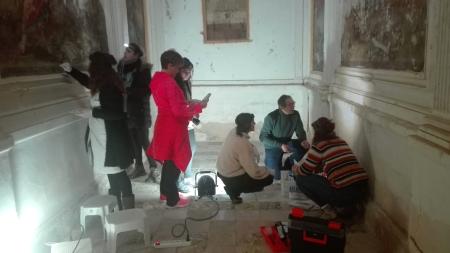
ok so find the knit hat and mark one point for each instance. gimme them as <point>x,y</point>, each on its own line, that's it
<point>136,49</point>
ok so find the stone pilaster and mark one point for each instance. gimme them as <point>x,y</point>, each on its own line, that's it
<point>116,26</point>
<point>441,77</point>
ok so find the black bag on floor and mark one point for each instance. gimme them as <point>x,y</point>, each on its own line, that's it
<point>315,235</point>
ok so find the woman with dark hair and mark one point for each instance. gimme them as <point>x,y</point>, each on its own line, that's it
<point>329,173</point>
<point>108,133</point>
<point>170,144</point>
<point>237,164</point>
<point>183,79</point>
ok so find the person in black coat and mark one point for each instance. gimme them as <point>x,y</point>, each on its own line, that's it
<point>108,130</point>
<point>136,76</point>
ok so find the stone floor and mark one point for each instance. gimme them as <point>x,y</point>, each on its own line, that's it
<point>235,228</point>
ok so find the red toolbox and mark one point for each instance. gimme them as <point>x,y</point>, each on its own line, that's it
<point>314,235</point>
<point>276,242</point>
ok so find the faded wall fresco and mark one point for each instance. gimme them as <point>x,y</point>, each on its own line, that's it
<point>136,26</point>
<point>37,35</point>
<point>385,34</point>
<point>318,35</point>
<point>225,20</point>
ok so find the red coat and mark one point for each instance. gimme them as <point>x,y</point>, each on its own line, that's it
<point>170,135</point>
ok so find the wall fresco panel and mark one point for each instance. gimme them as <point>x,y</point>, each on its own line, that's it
<point>37,35</point>
<point>385,34</point>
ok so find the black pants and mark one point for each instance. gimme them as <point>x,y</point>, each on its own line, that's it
<point>120,184</point>
<point>318,189</point>
<point>168,185</point>
<point>234,186</point>
<point>140,141</point>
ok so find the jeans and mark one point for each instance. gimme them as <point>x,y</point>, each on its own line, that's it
<point>318,189</point>
<point>188,172</point>
<point>273,157</point>
<point>193,144</point>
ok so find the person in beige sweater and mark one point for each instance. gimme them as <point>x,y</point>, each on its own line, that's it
<point>237,164</point>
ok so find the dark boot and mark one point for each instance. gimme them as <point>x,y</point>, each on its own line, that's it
<point>118,196</point>
<point>128,201</point>
<point>139,171</point>
<point>235,198</point>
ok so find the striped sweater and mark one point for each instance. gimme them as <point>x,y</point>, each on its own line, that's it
<point>334,160</point>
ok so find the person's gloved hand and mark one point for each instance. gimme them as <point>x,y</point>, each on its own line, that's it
<point>66,67</point>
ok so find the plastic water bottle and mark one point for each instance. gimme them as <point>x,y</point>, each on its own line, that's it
<point>285,182</point>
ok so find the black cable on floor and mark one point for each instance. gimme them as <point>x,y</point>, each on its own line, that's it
<point>185,227</point>
<point>79,239</point>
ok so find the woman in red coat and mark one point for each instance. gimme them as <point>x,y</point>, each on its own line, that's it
<point>170,143</point>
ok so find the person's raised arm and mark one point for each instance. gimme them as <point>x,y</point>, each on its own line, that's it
<point>81,77</point>
<point>179,106</point>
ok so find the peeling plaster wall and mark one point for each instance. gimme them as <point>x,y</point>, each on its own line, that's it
<point>409,178</point>
<point>243,76</point>
<point>398,125</point>
<point>225,103</point>
<point>269,55</point>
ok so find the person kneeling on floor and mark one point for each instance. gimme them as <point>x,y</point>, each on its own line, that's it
<point>329,173</point>
<point>237,164</point>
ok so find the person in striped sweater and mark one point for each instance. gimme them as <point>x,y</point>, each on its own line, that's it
<point>330,173</point>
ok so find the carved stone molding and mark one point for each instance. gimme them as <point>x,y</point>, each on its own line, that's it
<point>388,76</point>
<point>419,120</point>
<point>6,142</point>
<point>25,102</point>
<point>315,83</point>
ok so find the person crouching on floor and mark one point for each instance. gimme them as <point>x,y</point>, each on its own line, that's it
<point>237,164</point>
<point>329,173</point>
